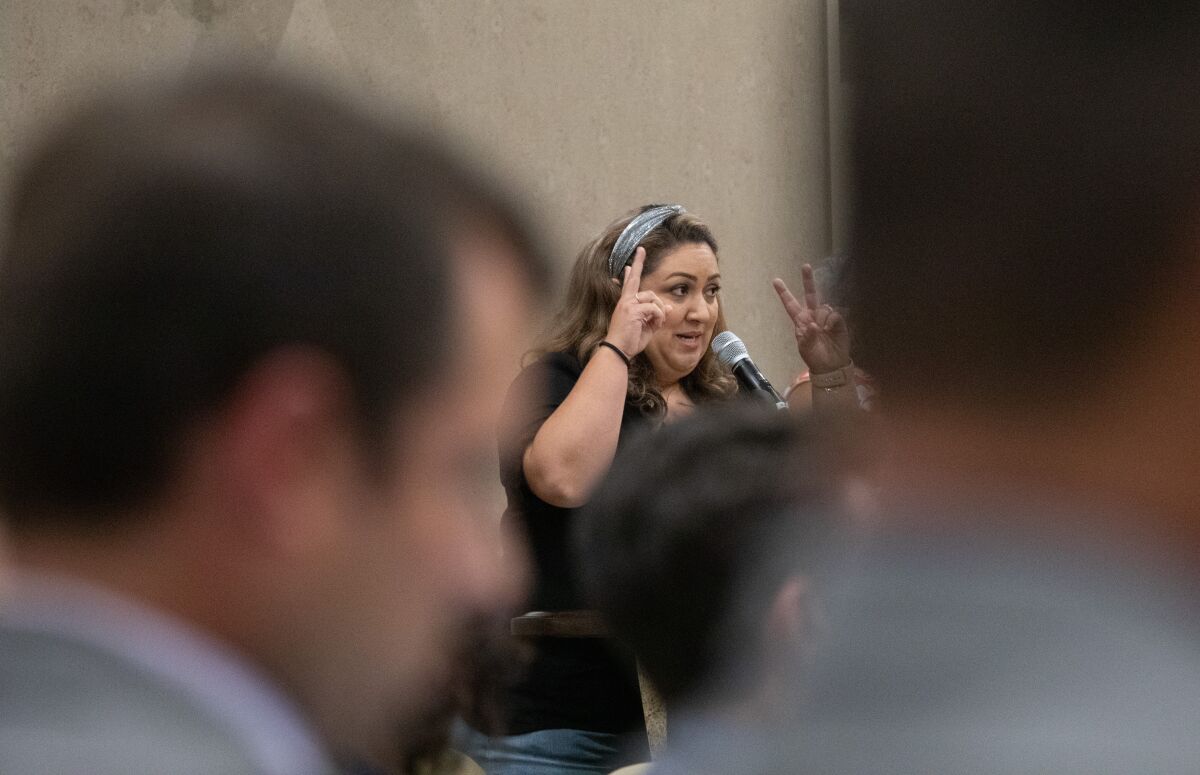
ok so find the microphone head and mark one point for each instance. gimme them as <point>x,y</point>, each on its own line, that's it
<point>729,348</point>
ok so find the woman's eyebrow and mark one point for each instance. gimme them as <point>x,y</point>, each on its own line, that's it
<point>691,277</point>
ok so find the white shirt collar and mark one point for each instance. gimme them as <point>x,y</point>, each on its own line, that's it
<point>218,679</point>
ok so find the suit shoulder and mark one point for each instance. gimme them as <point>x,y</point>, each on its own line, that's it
<point>66,706</point>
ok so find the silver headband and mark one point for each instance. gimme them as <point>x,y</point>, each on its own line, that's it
<point>641,225</point>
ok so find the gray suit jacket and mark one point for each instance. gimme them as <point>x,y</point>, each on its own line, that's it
<point>68,708</point>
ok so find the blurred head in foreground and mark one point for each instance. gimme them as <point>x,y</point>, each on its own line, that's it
<point>237,317</point>
<point>697,549</point>
<point>1025,277</point>
<point>1024,280</point>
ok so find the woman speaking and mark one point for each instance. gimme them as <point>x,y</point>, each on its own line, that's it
<point>629,350</point>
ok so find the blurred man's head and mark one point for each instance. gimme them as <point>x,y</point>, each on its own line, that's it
<point>1026,195</point>
<point>252,344</point>
<point>697,547</point>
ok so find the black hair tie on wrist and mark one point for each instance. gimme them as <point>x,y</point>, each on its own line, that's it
<point>618,351</point>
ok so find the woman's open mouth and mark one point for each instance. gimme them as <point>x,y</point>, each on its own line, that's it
<point>694,339</point>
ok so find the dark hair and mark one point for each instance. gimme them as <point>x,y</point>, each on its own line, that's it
<point>1026,182</point>
<point>687,541</point>
<point>165,238</point>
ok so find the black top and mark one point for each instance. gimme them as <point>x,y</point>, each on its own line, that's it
<point>573,683</point>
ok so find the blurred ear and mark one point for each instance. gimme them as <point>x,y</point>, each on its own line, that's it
<point>286,461</point>
<point>789,617</point>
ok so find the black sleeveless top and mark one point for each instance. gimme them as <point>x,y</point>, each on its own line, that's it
<point>573,683</point>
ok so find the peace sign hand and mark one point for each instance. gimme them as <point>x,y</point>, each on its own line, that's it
<point>821,332</point>
<point>638,313</point>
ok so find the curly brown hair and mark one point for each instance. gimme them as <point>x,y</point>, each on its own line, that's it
<point>582,321</point>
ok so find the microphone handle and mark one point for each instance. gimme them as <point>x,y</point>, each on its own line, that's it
<point>756,383</point>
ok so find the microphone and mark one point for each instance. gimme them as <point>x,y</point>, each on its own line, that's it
<point>731,351</point>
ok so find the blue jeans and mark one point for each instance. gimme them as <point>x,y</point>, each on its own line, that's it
<point>544,752</point>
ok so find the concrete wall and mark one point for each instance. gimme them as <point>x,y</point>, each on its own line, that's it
<point>591,107</point>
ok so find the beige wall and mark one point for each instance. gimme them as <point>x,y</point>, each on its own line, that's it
<point>591,107</point>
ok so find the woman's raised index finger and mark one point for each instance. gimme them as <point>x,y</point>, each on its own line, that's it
<point>811,300</point>
<point>633,281</point>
